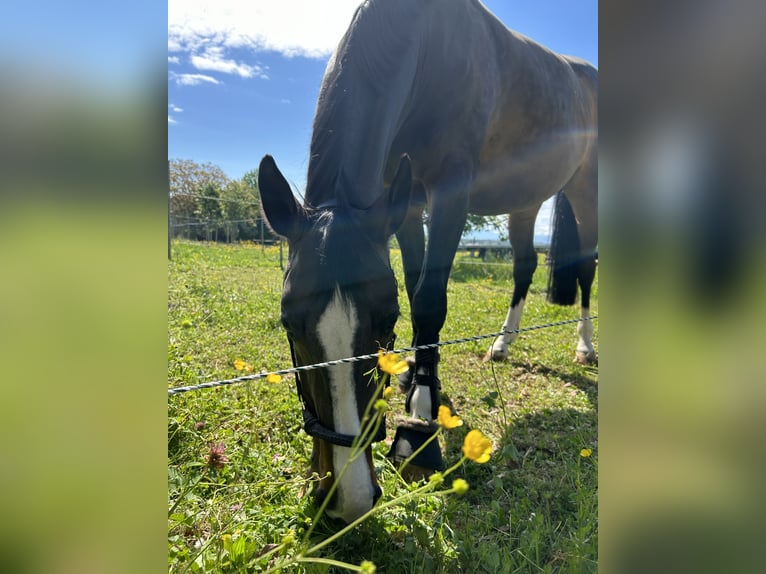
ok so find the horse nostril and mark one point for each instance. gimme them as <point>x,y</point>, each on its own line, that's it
<point>376,494</point>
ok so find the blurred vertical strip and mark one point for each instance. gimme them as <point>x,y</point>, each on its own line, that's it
<point>83,216</point>
<point>683,306</point>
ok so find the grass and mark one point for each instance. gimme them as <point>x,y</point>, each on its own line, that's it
<point>531,508</point>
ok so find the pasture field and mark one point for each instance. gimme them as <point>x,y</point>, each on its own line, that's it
<point>237,456</point>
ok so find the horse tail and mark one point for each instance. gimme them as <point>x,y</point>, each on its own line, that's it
<point>564,254</point>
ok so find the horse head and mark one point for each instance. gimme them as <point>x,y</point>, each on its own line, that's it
<point>339,299</point>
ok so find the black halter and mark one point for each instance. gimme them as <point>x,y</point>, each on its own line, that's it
<point>315,428</point>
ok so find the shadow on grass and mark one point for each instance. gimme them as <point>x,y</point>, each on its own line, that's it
<point>583,378</point>
<point>531,507</point>
<point>535,501</point>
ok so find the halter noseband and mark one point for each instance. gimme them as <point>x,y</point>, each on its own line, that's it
<point>316,429</point>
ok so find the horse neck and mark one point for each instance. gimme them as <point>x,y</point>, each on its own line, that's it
<point>362,101</point>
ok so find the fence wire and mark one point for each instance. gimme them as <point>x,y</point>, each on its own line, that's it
<point>212,384</point>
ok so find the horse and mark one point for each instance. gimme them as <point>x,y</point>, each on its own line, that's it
<point>435,105</point>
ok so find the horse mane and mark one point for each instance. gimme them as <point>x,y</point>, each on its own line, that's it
<point>356,84</point>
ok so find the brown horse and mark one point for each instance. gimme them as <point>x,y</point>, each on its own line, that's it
<point>425,104</point>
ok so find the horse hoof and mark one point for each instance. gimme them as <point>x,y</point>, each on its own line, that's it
<point>589,358</point>
<point>410,437</point>
<point>496,354</point>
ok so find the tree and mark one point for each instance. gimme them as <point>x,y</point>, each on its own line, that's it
<point>188,181</point>
<point>490,223</point>
<point>242,210</point>
<point>210,211</point>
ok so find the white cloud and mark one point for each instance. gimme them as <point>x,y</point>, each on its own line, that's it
<point>285,101</point>
<point>213,60</point>
<point>544,217</point>
<point>291,27</point>
<point>171,120</point>
<point>174,108</point>
<point>173,60</point>
<point>193,79</point>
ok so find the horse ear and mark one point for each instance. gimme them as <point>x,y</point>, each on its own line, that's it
<point>282,212</point>
<point>399,196</point>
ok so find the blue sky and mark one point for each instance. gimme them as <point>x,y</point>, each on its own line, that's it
<point>243,76</point>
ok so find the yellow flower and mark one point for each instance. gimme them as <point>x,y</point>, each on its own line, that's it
<point>367,567</point>
<point>273,378</point>
<point>460,486</point>
<point>477,447</point>
<point>391,363</point>
<point>381,405</point>
<point>241,365</point>
<point>226,538</point>
<point>447,419</point>
<point>388,392</point>
<point>586,452</point>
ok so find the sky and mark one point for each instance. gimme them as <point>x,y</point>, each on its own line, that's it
<point>244,75</point>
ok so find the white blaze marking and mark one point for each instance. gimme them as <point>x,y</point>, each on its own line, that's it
<point>336,329</point>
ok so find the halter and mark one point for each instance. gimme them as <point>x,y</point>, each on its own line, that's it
<point>316,429</point>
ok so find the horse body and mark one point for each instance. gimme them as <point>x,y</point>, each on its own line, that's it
<point>437,104</point>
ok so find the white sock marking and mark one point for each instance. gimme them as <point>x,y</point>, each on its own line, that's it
<point>421,403</point>
<point>512,322</point>
<point>336,329</point>
<point>585,333</point>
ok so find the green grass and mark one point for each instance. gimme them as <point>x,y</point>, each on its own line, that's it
<point>531,508</point>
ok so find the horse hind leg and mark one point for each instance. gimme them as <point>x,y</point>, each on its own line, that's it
<point>521,227</point>
<point>582,193</point>
<point>586,272</point>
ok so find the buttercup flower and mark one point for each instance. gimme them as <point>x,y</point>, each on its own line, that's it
<point>388,392</point>
<point>273,378</point>
<point>460,486</point>
<point>391,363</point>
<point>477,447</point>
<point>447,419</point>
<point>241,365</point>
<point>381,405</point>
<point>586,452</point>
<point>367,567</point>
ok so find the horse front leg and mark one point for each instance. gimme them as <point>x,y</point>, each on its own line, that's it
<point>412,244</point>
<point>412,240</point>
<point>447,210</point>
